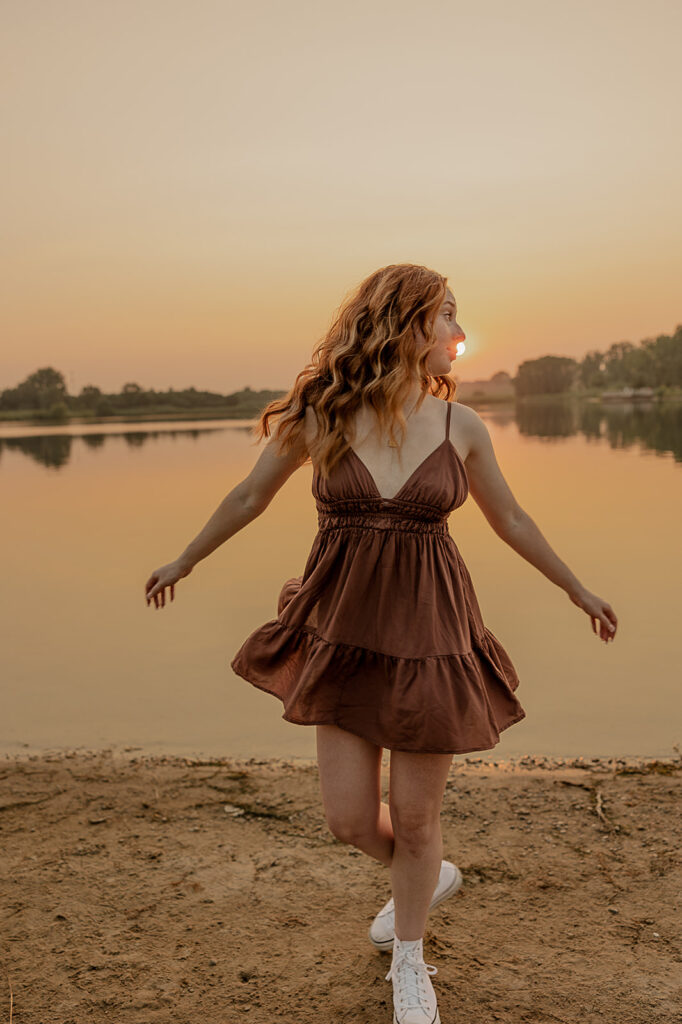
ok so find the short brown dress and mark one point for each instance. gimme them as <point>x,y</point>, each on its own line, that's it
<point>382,635</point>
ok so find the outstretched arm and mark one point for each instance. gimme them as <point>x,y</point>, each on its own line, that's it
<point>512,523</point>
<point>245,502</point>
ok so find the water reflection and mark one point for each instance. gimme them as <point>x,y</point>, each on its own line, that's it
<point>85,661</point>
<point>54,449</point>
<point>654,426</point>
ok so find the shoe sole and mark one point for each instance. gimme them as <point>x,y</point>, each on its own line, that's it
<point>436,1019</point>
<point>452,888</point>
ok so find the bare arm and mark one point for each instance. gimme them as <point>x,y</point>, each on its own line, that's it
<point>244,503</point>
<point>512,523</point>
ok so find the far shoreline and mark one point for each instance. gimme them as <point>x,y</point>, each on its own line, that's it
<point>33,418</point>
<point>523,762</point>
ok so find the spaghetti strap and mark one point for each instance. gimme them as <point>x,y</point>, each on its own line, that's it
<point>447,422</point>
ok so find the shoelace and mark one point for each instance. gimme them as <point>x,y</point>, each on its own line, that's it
<point>411,991</point>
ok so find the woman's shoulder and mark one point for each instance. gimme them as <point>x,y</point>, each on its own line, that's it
<point>465,413</point>
<point>459,413</point>
<point>465,424</point>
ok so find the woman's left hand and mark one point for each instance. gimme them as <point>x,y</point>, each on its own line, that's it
<point>599,611</point>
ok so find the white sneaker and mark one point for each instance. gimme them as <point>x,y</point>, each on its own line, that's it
<point>414,1001</point>
<point>382,929</point>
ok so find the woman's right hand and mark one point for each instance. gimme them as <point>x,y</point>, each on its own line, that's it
<point>166,576</point>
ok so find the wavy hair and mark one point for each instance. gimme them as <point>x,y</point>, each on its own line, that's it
<point>369,356</point>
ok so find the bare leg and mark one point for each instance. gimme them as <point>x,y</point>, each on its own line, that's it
<point>350,779</point>
<point>416,793</point>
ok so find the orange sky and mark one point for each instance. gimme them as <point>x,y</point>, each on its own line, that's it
<point>191,188</point>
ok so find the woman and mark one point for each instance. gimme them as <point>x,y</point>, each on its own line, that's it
<point>380,643</point>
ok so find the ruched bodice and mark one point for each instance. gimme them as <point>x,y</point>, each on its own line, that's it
<point>382,634</point>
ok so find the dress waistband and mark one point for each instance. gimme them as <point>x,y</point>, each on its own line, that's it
<point>379,521</point>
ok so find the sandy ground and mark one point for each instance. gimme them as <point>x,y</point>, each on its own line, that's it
<point>155,889</point>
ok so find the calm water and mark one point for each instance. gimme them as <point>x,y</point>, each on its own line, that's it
<point>88,513</point>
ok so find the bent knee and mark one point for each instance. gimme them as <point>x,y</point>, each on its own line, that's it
<point>350,830</point>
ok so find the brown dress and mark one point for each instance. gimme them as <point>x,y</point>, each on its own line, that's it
<point>382,635</point>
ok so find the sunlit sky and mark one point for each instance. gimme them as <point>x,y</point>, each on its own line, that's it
<point>191,188</point>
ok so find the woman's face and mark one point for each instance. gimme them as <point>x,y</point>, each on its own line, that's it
<point>447,333</point>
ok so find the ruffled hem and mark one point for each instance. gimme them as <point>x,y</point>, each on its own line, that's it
<point>443,704</point>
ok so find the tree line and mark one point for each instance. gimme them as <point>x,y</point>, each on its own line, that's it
<point>654,362</point>
<point>45,393</point>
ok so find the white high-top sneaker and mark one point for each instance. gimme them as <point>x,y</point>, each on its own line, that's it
<point>382,929</point>
<point>414,1001</point>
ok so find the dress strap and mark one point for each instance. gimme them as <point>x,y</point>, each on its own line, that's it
<point>447,422</point>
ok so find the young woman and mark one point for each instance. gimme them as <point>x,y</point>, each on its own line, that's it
<point>380,642</point>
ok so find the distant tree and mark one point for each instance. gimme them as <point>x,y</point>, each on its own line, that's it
<point>591,370</point>
<point>667,355</point>
<point>640,367</point>
<point>133,396</point>
<point>616,364</point>
<point>88,398</point>
<point>549,375</point>
<point>90,393</point>
<point>9,400</point>
<point>41,389</point>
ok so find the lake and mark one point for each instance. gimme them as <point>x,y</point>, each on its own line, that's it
<point>88,512</point>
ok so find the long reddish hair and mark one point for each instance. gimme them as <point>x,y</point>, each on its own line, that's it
<point>368,357</point>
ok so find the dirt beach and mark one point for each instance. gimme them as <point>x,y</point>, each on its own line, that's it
<point>158,889</point>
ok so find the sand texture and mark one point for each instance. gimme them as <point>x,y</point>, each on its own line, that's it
<point>157,889</point>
